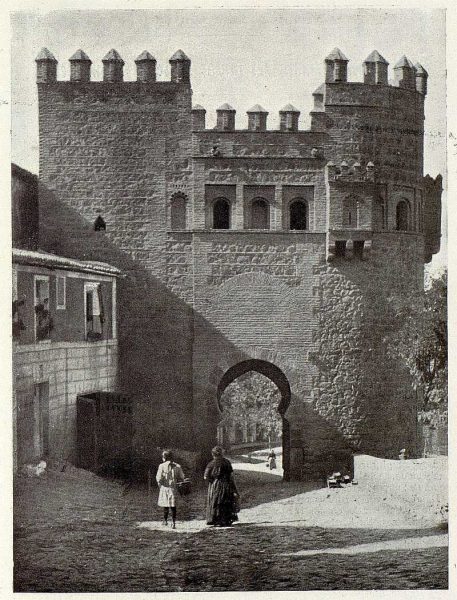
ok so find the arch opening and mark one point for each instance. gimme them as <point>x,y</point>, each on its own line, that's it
<point>253,397</point>
<point>221,214</point>
<point>402,215</point>
<point>260,214</point>
<point>298,215</point>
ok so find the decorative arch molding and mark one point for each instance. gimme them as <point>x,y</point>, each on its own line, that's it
<point>270,370</point>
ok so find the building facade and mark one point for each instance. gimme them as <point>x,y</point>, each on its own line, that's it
<point>64,339</point>
<point>286,252</point>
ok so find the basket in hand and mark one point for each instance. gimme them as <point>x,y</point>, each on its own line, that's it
<point>184,487</point>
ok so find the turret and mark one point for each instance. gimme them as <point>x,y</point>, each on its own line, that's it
<point>225,118</point>
<point>421,79</point>
<point>375,69</point>
<point>145,67</point>
<point>288,118</point>
<point>336,67</point>
<point>80,66</point>
<point>46,65</point>
<point>257,118</point>
<point>405,73</point>
<point>318,96</point>
<point>198,118</point>
<point>180,67</point>
<point>113,66</point>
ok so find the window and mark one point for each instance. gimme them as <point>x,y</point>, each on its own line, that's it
<point>350,212</point>
<point>43,319</point>
<point>61,291</point>
<point>403,215</point>
<point>260,214</point>
<point>178,212</point>
<point>221,214</point>
<point>298,215</point>
<point>94,313</point>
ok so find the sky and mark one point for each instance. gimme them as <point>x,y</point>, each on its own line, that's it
<point>243,57</point>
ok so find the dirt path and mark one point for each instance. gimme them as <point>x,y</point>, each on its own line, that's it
<point>76,532</point>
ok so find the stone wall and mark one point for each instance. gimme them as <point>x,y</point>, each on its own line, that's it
<point>120,151</point>
<point>196,304</point>
<point>69,369</point>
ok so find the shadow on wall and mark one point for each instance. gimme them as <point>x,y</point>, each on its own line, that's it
<point>155,330</point>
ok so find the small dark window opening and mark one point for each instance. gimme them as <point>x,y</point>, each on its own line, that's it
<point>340,249</point>
<point>298,214</point>
<point>358,248</point>
<point>350,212</point>
<point>402,216</point>
<point>221,214</point>
<point>99,224</point>
<point>260,214</point>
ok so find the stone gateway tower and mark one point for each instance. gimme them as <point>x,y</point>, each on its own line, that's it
<point>286,252</point>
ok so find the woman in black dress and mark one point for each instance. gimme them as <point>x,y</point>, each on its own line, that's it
<point>222,491</point>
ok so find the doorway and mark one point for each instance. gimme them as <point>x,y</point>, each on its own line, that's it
<point>253,397</point>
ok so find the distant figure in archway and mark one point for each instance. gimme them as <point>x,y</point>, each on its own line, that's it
<point>271,460</point>
<point>222,491</point>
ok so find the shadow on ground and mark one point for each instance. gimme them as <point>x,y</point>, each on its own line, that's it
<point>76,532</point>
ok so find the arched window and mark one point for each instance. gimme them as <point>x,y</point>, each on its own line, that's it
<point>350,212</point>
<point>403,215</point>
<point>260,214</point>
<point>298,215</point>
<point>178,212</point>
<point>221,214</point>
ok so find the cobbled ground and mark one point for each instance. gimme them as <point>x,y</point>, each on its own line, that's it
<point>77,532</point>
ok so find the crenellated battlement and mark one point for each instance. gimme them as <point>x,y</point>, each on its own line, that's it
<point>113,67</point>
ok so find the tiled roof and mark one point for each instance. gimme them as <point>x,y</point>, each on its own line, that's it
<point>44,54</point>
<point>420,69</point>
<point>375,57</point>
<point>144,56</point>
<point>336,54</point>
<point>179,55</point>
<point>80,55</point>
<point>289,108</point>
<point>45,259</point>
<point>112,56</point>
<point>404,62</point>
<point>257,109</point>
<point>226,106</point>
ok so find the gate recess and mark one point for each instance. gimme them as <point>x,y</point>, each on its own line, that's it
<point>104,422</point>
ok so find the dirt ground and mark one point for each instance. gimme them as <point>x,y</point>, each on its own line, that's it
<point>76,532</point>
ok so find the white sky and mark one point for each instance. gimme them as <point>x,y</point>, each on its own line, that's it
<point>243,57</point>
